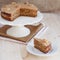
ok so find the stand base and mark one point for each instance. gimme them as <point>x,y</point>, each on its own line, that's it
<point>18,31</point>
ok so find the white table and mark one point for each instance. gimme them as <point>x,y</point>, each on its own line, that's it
<point>11,51</point>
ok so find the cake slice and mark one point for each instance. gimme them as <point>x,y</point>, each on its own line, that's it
<point>42,45</point>
<point>10,11</point>
<point>28,10</point>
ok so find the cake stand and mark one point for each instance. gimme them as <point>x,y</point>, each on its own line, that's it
<point>18,29</point>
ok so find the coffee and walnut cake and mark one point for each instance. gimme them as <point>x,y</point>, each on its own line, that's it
<point>14,10</point>
<point>42,45</point>
<point>10,11</point>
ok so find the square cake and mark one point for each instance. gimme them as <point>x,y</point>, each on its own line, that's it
<point>42,45</point>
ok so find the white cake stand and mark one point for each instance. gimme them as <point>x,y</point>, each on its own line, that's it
<point>18,29</point>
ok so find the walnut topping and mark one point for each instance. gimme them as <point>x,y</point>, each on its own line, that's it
<point>8,9</point>
<point>26,3</point>
<point>13,3</point>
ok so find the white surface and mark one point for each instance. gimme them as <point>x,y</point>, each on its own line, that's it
<point>31,49</point>
<point>11,51</point>
<point>18,31</point>
<point>22,20</point>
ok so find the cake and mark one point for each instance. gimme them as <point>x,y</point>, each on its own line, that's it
<point>43,45</point>
<point>28,10</point>
<point>10,11</point>
<point>14,10</point>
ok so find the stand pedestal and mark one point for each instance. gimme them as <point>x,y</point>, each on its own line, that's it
<point>18,31</point>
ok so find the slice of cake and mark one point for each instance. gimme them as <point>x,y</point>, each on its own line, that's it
<point>10,11</point>
<point>28,10</point>
<point>42,45</point>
